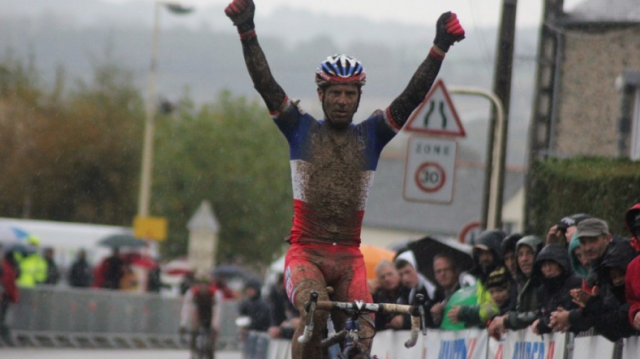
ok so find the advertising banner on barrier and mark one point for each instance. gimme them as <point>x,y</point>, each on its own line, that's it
<point>593,347</point>
<point>631,348</point>
<point>525,344</point>
<point>467,344</point>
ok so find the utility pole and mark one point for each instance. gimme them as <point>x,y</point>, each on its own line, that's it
<point>502,89</point>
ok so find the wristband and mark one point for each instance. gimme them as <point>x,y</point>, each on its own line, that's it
<point>248,35</point>
<point>436,54</point>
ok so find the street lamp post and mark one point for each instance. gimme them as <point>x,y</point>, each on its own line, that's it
<point>146,169</point>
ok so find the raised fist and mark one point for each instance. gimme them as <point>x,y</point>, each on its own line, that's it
<point>448,31</point>
<point>241,13</point>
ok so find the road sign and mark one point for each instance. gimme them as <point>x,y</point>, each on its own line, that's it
<point>152,228</point>
<point>429,170</point>
<point>469,233</point>
<point>436,115</point>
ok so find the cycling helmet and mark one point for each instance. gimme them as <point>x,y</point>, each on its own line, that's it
<point>340,69</point>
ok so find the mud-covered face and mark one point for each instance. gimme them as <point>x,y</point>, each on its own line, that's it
<point>339,103</point>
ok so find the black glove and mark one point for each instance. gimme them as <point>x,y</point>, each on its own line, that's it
<point>241,13</point>
<point>448,31</point>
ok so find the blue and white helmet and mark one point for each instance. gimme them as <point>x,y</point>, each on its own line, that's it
<point>340,69</point>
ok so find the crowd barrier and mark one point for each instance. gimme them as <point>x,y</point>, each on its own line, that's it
<point>469,344</point>
<point>53,316</point>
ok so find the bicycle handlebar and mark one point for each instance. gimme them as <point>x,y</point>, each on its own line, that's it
<point>416,311</point>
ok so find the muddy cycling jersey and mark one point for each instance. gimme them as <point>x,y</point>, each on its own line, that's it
<point>331,175</point>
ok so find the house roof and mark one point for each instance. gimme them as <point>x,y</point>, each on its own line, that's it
<point>610,11</point>
<point>387,208</point>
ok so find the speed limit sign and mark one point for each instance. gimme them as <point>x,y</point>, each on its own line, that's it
<point>429,170</point>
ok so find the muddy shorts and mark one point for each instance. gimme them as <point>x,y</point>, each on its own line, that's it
<point>317,265</point>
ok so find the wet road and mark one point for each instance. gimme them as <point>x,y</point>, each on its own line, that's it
<point>29,353</point>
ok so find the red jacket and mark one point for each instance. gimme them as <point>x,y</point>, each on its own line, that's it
<point>9,282</point>
<point>632,277</point>
<point>632,288</point>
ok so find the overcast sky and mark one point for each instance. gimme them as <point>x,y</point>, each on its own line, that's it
<point>476,13</point>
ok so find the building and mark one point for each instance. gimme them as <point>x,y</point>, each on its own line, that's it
<point>588,81</point>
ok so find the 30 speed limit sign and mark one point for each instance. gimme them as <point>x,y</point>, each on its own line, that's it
<point>430,169</point>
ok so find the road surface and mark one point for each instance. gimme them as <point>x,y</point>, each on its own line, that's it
<point>31,353</point>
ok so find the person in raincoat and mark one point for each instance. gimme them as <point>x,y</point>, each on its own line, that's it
<point>632,277</point>
<point>554,271</point>
<point>487,257</point>
<point>33,267</point>
<point>527,303</point>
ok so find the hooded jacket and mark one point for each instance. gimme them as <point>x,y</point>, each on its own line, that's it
<point>632,277</point>
<point>485,309</point>
<point>527,304</point>
<point>577,267</point>
<point>554,292</point>
<point>609,309</point>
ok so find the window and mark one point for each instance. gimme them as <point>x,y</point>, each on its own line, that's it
<point>635,127</point>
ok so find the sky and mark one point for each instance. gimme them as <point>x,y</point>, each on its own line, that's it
<point>477,13</point>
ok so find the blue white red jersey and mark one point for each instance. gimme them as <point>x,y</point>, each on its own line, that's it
<point>331,176</point>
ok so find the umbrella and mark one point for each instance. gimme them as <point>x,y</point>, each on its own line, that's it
<point>426,248</point>
<point>11,234</point>
<point>122,240</point>
<point>20,247</point>
<point>178,267</point>
<point>374,255</point>
<point>229,270</point>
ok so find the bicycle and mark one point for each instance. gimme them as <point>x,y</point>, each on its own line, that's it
<point>352,348</point>
<point>203,346</point>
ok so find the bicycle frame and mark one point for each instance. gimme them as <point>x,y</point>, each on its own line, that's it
<point>350,334</point>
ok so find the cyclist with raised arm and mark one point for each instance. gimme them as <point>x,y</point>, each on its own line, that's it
<point>332,165</point>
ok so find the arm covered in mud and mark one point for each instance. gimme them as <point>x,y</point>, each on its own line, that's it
<point>241,14</point>
<point>448,31</point>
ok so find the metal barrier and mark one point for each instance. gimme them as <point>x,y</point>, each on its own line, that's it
<point>52,316</point>
<point>260,346</point>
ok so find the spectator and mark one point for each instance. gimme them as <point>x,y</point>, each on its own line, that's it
<point>498,284</point>
<point>388,291</point>
<point>632,277</point>
<point>33,268</point>
<point>595,240</point>
<point>563,231</point>
<point>508,247</point>
<point>52,268</point>
<point>607,305</point>
<point>8,293</point>
<point>447,278</point>
<point>579,261</point>
<point>486,256</point>
<point>113,270</point>
<point>201,308</point>
<point>284,315</point>
<point>554,271</point>
<point>254,307</point>
<point>80,275</point>
<point>527,303</point>
<point>413,283</point>
<point>128,280</point>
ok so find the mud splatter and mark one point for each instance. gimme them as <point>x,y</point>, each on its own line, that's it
<point>335,184</point>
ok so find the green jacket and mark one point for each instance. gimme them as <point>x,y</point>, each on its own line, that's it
<point>480,313</point>
<point>33,270</point>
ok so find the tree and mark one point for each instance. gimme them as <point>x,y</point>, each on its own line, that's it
<point>232,154</point>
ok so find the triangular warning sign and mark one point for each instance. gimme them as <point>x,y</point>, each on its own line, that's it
<point>436,114</point>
